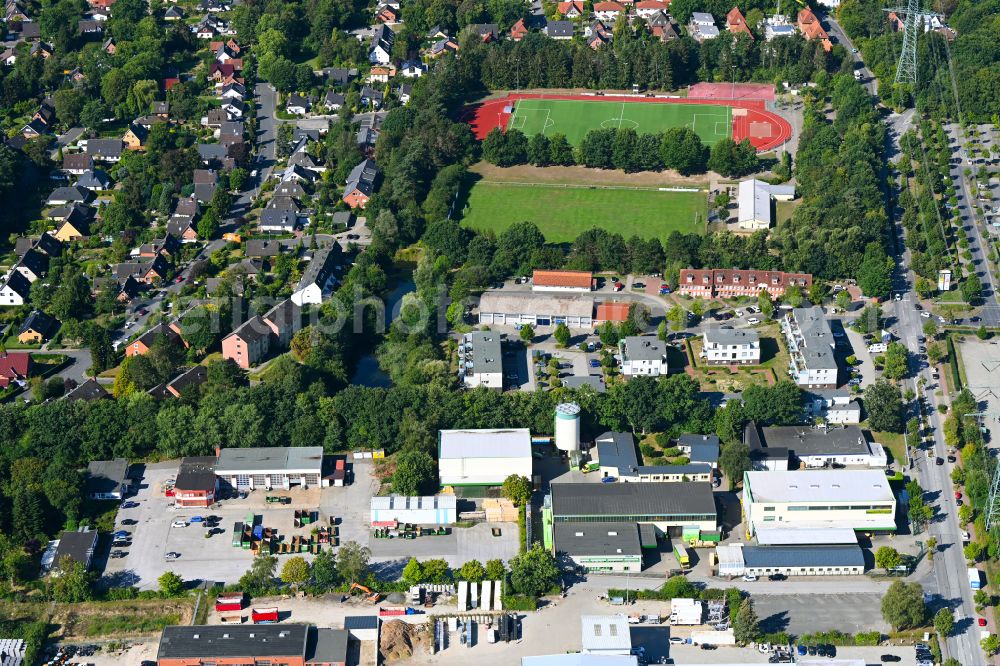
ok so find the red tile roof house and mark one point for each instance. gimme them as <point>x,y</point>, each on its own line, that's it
<point>14,366</point>
<point>811,28</point>
<point>248,344</point>
<point>612,311</point>
<point>582,281</point>
<point>519,31</point>
<point>721,283</point>
<point>571,9</point>
<point>736,23</point>
<point>608,11</point>
<point>144,342</point>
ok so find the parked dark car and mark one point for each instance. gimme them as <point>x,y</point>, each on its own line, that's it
<point>890,658</point>
<point>777,576</point>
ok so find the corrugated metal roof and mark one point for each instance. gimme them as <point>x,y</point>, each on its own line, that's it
<point>803,556</point>
<point>791,536</point>
<point>403,502</point>
<point>361,622</point>
<point>811,486</point>
<point>485,443</point>
<point>637,499</point>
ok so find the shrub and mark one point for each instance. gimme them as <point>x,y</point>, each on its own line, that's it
<point>519,602</point>
<point>868,638</point>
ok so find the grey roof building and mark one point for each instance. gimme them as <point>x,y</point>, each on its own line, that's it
<point>78,546</point>
<point>597,539</point>
<point>810,347</point>
<point>559,29</point>
<point>666,505</point>
<point>616,451</point>
<point>782,557</point>
<point>815,446</point>
<point>596,382</point>
<point>94,179</point>
<point>105,149</point>
<point>227,642</point>
<point>256,248</point>
<point>702,448</point>
<point>107,479</point>
<point>89,390</point>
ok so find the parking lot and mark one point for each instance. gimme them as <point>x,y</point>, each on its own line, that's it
<point>215,559</point>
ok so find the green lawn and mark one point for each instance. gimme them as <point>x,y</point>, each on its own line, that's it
<point>563,213</point>
<point>576,118</point>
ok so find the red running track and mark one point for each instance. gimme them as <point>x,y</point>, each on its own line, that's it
<point>765,130</point>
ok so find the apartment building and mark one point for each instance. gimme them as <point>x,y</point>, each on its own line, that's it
<point>810,348</point>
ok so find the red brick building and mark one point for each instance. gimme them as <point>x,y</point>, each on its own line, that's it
<point>730,283</point>
<point>252,645</point>
<point>196,483</point>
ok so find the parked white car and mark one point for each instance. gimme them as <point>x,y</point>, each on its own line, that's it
<point>179,523</point>
<point>753,320</point>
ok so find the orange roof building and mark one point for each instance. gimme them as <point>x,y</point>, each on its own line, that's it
<point>581,281</point>
<point>610,311</point>
<point>736,23</point>
<point>570,9</point>
<point>811,28</point>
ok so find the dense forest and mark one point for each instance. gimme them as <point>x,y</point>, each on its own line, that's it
<point>975,56</point>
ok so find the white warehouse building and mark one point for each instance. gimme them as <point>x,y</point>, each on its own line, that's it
<point>433,510</point>
<point>483,457</point>
<point>861,500</point>
<point>536,309</point>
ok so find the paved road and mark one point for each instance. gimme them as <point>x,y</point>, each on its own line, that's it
<point>990,313</point>
<point>947,580</point>
<point>834,30</point>
<point>64,140</point>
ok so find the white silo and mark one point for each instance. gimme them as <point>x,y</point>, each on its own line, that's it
<point>568,427</point>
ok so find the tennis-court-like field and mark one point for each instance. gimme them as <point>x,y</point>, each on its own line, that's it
<point>575,118</point>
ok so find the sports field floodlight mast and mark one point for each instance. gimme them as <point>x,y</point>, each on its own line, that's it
<point>913,19</point>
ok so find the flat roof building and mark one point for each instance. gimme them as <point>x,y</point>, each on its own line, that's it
<point>643,355</point>
<point>536,309</point>
<point>580,659</point>
<point>800,560</point>
<point>481,360</point>
<point>432,510</point>
<point>861,500</point>
<point>669,507</point>
<point>617,458</point>
<point>605,634</point>
<point>483,457</point>
<point>608,547</point>
<point>271,467</point>
<point>812,446</point>
<point>288,644</point>
<point>196,483</point>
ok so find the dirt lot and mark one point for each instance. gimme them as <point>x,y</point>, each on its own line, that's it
<point>579,174</point>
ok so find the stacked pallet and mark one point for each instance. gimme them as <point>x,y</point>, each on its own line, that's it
<point>500,511</point>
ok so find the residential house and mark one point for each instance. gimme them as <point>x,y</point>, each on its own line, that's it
<point>41,49</point>
<point>737,24</point>
<point>147,272</point>
<point>15,290</point>
<point>339,76</point>
<point>34,128</point>
<point>145,342</point>
<point>643,355</point>
<point>381,73</point>
<point>387,14</point>
<point>105,150</point>
<point>109,46</point>
<point>289,188</point>
<point>214,118</point>
<point>248,344</point>
<point>76,224</point>
<point>608,10</point>
<point>234,91</point>
<point>38,327</point>
<point>403,93</point>
<point>89,391</point>
<point>380,52</point>
<point>212,154</point>
<point>519,30</point>
<point>62,196</point>
<point>182,228</point>
<point>663,27</point>
<point>333,101</point>
<point>167,246</point>
<point>361,183</point>
<point>315,281</point>
<point>571,9</point>
<point>8,57</point>
<point>205,182</point>
<point>94,180</point>
<point>173,13</point>
<point>366,138</point>
<point>371,97</point>
<point>262,249</point>
<point>711,283</point>
<point>811,28</point>
<point>810,342</point>
<point>187,381</point>
<point>833,406</point>
<point>298,105</point>
<point>725,345</point>
<point>487,32</point>
<point>33,265</point>
<point>597,35</point>
<point>646,9</point>
<point>187,206</point>
<point>559,29</point>
<point>14,367</point>
<point>107,479</point>
<point>702,26</point>
<point>778,26</point>
<point>273,220</point>
<point>89,27</point>
<point>46,243</point>
<point>284,320</point>
<point>442,47</point>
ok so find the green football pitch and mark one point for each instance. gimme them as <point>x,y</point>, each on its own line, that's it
<point>575,118</point>
<point>563,213</point>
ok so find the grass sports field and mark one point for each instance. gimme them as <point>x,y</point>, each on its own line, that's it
<point>575,118</point>
<point>563,213</point>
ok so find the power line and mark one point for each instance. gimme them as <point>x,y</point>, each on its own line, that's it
<point>913,19</point>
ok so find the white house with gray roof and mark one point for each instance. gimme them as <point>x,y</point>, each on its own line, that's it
<point>725,345</point>
<point>315,282</point>
<point>810,348</point>
<point>754,199</point>
<point>643,355</point>
<point>481,360</point>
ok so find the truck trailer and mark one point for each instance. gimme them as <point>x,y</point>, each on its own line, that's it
<point>975,582</point>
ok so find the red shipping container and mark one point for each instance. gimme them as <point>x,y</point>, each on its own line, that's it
<point>264,615</point>
<point>340,464</point>
<point>232,601</point>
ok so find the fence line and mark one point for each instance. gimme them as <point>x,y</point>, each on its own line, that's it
<point>596,187</point>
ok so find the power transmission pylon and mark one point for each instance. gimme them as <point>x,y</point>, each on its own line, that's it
<point>913,18</point>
